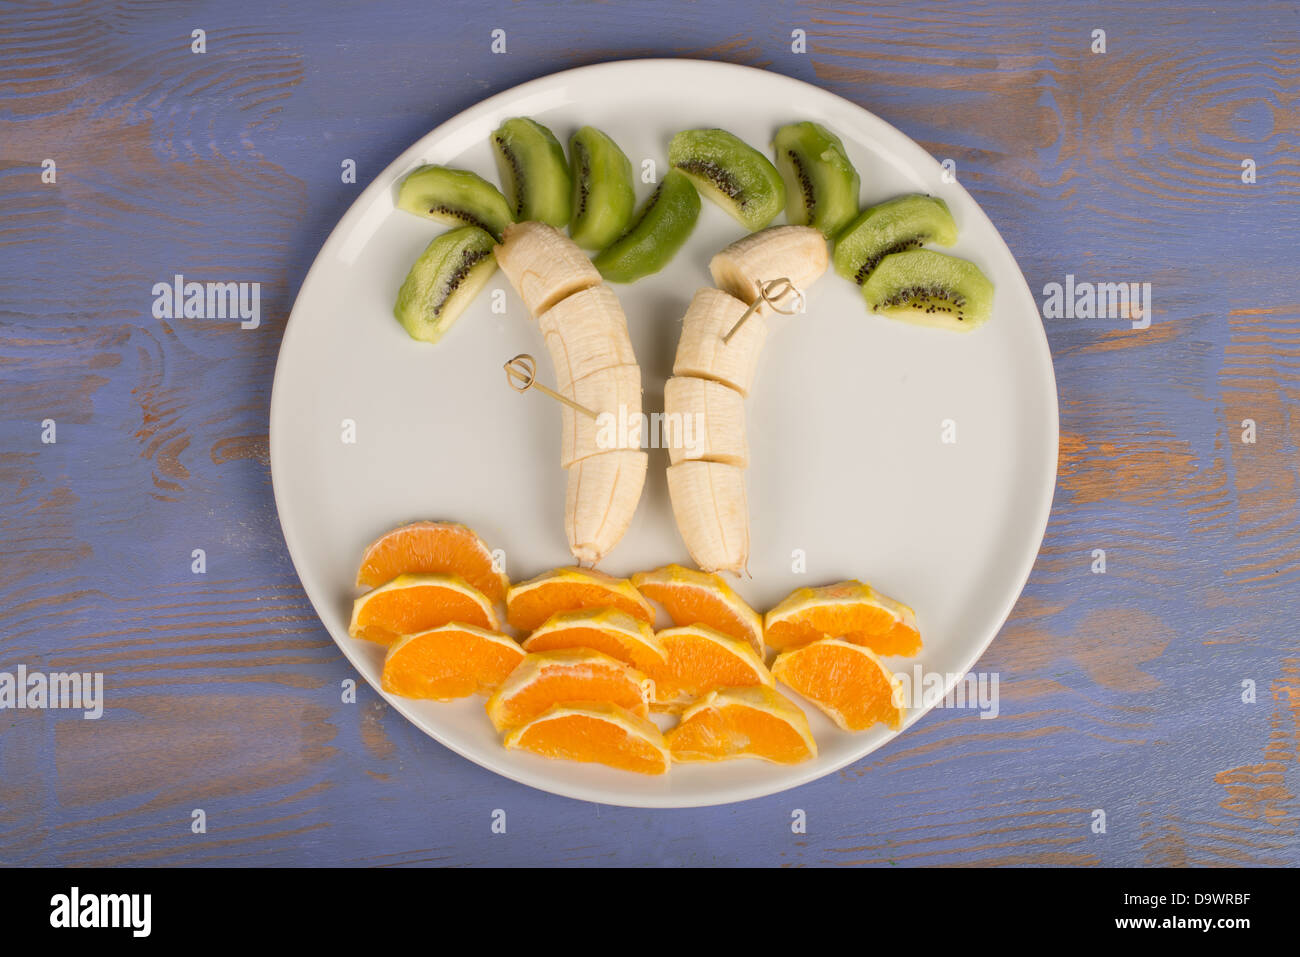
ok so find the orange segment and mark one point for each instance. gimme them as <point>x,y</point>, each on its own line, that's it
<point>700,660</point>
<point>850,610</point>
<point>845,680</point>
<point>530,603</point>
<point>432,548</point>
<point>599,733</point>
<point>569,676</point>
<point>411,603</point>
<point>613,632</point>
<point>755,722</point>
<point>453,661</point>
<point>697,598</point>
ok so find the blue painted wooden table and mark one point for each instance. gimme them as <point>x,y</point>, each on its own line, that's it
<point>1163,691</point>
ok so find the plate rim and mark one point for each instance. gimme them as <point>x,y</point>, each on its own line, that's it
<point>384,180</point>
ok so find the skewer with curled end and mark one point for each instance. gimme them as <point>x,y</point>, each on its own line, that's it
<point>521,373</point>
<point>772,293</point>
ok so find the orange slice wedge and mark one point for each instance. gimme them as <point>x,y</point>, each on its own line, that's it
<point>432,548</point>
<point>598,733</point>
<point>412,603</point>
<point>453,661</point>
<point>850,610</point>
<point>569,676</point>
<point>845,680</point>
<point>755,722</point>
<point>530,603</point>
<point>616,633</point>
<point>702,659</point>
<point>698,598</point>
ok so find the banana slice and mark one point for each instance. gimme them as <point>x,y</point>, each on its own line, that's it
<point>708,500</point>
<point>543,265</point>
<point>702,353</point>
<point>586,333</point>
<point>614,394</point>
<point>600,500</point>
<point>704,419</point>
<point>797,253</point>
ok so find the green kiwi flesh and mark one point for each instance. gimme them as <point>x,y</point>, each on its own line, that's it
<point>821,183</point>
<point>730,172</point>
<point>660,227</point>
<point>603,196</point>
<point>534,172</point>
<point>930,289</point>
<point>456,197</point>
<point>449,273</point>
<point>896,225</point>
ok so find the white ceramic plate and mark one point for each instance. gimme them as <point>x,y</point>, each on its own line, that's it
<point>848,466</point>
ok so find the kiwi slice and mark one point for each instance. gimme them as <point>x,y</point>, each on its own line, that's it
<point>905,222</point>
<point>533,171</point>
<point>821,184</point>
<point>656,233</point>
<point>730,172</point>
<point>448,274</point>
<point>930,289</point>
<point>603,194</point>
<point>456,197</point>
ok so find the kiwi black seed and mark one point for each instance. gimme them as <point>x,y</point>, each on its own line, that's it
<point>534,172</point>
<point>727,170</point>
<point>456,197</point>
<point>821,184</point>
<point>897,225</point>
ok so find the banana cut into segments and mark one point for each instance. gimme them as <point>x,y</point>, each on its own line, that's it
<point>586,336</point>
<point>600,500</point>
<point>614,394</point>
<point>712,375</point>
<point>585,333</point>
<point>704,420</point>
<point>708,500</point>
<point>544,265</point>
<point>796,253</point>
<point>701,351</point>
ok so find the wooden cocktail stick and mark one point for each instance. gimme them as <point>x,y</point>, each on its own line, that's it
<point>521,373</point>
<point>767,295</point>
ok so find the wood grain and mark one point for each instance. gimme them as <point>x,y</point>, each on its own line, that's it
<point>1119,691</point>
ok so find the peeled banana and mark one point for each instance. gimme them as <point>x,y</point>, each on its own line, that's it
<point>704,420</point>
<point>600,500</point>
<point>543,265</point>
<point>712,377</point>
<point>586,335</point>
<point>709,504</point>
<point>797,253</point>
<point>702,353</point>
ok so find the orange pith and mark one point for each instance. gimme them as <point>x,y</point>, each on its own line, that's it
<point>845,680</point>
<point>615,633</point>
<point>755,722</point>
<point>850,610</point>
<point>449,662</point>
<point>530,603</point>
<point>568,676</point>
<point>428,548</point>
<point>700,660</point>
<point>413,603</point>
<point>693,597</point>
<point>596,733</point>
